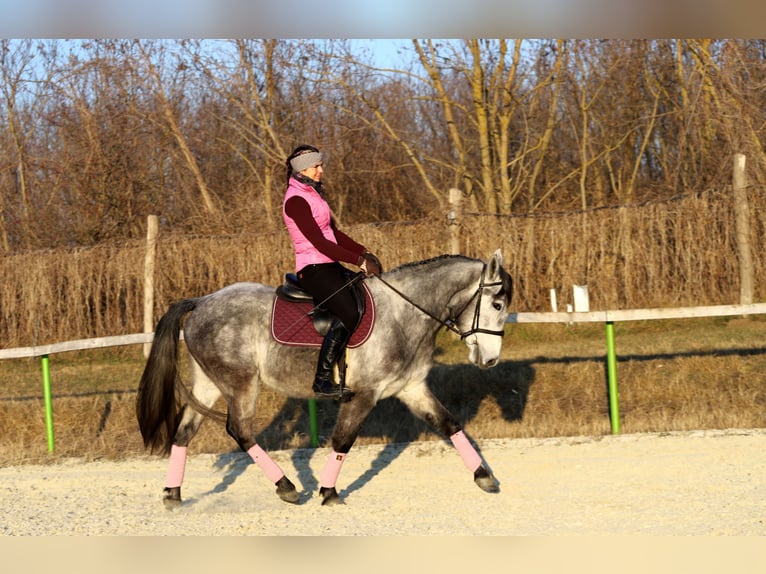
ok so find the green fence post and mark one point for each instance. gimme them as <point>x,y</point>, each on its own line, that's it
<point>313,423</point>
<point>48,402</point>
<point>611,365</point>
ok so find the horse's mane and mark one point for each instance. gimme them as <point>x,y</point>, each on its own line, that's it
<point>431,260</point>
<point>506,278</point>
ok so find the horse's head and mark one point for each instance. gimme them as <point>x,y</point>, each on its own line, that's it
<point>481,324</point>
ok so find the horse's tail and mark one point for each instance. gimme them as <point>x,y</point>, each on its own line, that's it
<point>156,404</point>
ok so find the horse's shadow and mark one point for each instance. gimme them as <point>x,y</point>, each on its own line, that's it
<point>461,388</point>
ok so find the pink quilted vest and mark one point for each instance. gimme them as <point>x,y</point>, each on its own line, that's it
<point>305,252</point>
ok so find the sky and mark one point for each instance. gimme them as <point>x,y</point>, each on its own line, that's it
<point>387,19</point>
<point>384,50</point>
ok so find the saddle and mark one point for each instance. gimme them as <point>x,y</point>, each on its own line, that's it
<point>297,320</point>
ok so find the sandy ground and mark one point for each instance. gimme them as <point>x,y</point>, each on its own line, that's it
<point>693,483</point>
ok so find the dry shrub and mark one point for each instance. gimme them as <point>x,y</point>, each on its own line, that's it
<point>61,295</point>
<point>674,253</point>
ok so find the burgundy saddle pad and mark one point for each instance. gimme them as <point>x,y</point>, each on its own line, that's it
<point>292,325</point>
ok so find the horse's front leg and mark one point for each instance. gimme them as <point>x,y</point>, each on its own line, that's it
<point>424,405</point>
<point>351,415</point>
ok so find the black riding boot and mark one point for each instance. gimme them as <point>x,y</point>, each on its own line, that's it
<point>333,346</point>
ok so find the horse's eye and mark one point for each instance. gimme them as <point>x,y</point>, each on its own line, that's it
<point>497,306</point>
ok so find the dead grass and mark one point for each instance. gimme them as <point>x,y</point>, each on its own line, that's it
<point>675,253</point>
<point>682,375</point>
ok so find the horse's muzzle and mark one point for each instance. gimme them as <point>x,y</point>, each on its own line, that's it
<point>489,364</point>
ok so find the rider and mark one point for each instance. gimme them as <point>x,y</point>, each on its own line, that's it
<point>319,248</point>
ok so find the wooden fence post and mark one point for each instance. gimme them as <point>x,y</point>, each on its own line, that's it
<point>742,230</point>
<point>152,229</point>
<point>453,220</point>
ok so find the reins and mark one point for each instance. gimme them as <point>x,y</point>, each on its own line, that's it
<point>451,323</point>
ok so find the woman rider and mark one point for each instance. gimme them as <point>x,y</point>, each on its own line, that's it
<point>320,247</point>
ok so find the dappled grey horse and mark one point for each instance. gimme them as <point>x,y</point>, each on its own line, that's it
<point>233,352</point>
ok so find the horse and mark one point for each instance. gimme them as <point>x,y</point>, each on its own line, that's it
<point>232,353</point>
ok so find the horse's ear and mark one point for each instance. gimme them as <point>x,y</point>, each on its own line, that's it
<point>495,263</point>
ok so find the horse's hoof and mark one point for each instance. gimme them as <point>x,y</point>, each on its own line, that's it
<point>485,480</point>
<point>286,490</point>
<point>329,496</point>
<point>171,497</point>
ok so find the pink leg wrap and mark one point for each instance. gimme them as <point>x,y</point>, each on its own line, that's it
<point>471,458</point>
<point>177,466</point>
<point>331,470</point>
<point>267,465</point>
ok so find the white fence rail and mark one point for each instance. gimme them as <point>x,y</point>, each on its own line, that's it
<point>561,317</point>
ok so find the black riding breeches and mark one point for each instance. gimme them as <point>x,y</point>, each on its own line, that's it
<point>325,282</point>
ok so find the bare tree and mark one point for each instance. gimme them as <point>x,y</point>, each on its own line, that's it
<point>96,134</point>
<point>245,79</point>
<point>151,63</point>
<point>16,75</point>
<point>734,87</point>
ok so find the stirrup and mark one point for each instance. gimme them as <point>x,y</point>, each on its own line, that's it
<point>328,390</point>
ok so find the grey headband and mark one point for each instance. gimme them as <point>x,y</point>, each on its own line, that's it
<point>306,160</point>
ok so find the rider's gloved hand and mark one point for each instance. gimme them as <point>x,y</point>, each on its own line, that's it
<point>370,264</point>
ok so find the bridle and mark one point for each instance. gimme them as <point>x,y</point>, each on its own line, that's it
<point>451,322</point>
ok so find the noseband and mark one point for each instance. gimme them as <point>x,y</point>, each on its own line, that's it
<point>451,322</point>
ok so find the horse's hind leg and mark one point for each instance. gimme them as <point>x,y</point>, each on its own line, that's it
<point>424,405</point>
<point>239,425</point>
<point>206,393</point>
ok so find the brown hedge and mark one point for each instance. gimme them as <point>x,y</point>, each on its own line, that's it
<point>680,252</point>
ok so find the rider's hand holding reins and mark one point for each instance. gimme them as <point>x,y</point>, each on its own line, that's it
<point>370,264</point>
